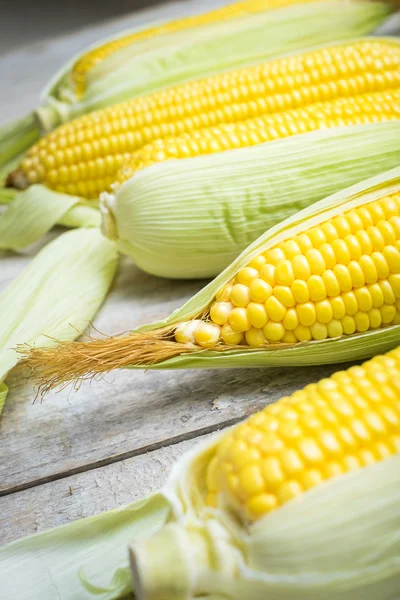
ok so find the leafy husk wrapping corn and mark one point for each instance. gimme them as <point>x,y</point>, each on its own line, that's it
<point>321,287</point>
<point>300,501</point>
<point>56,296</point>
<point>339,85</point>
<point>142,61</point>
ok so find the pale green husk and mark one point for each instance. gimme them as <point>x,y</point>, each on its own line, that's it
<point>36,210</point>
<point>173,58</point>
<point>179,226</point>
<point>336,350</point>
<point>56,296</point>
<point>339,541</point>
<point>15,139</point>
<point>80,560</point>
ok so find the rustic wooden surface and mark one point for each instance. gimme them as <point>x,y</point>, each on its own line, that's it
<point>113,441</point>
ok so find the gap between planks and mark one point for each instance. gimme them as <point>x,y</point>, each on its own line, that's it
<point>191,435</point>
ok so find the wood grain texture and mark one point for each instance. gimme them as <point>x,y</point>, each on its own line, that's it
<point>86,494</point>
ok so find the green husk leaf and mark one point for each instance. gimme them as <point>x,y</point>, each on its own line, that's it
<point>7,195</point>
<point>36,210</point>
<point>84,559</point>
<point>171,59</point>
<point>56,296</point>
<point>15,139</point>
<point>177,226</point>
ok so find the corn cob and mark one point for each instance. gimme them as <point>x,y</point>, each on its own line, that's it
<point>338,278</point>
<point>346,422</point>
<point>83,157</point>
<point>316,464</point>
<point>321,287</point>
<point>88,61</point>
<point>366,108</point>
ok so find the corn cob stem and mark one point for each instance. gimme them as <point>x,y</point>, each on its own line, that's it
<point>326,87</point>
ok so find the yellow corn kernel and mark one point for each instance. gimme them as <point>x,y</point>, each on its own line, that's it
<point>220,312</point>
<point>280,98</point>
<point>255,337</point>
<point>246,275</point>
<point>306,449</point>
<point>260,290</point>
<point>239,320</point>
<point>326,305</point>
<point>274,332</point>
<point>240,294</point>
<point>231,337</point>
<point>207,335</point>
<point>185,332</point>
<point>257,315</point>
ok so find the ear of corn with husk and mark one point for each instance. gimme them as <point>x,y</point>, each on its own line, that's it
<point>176,226</point>
<point>56,296</point>
<point>341,84</point>
<point>276,507</point>
<point>171,53</point>
<point>301,501</point>
<point>350,309</point>
<point>333,86</point>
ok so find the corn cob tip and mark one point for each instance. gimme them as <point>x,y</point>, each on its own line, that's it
<point>17,179</point>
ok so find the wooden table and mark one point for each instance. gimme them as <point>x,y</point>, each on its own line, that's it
<point>114,441</point>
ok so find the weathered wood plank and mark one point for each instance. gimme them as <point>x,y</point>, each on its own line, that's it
<point>86,494</point>
<point>130,412</point>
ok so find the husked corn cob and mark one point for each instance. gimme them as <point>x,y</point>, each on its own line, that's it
<point>366,108</point>
<point>87,62</point>
<point>337,278</point>
<point>84,156</point>
<point>346,422</point>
